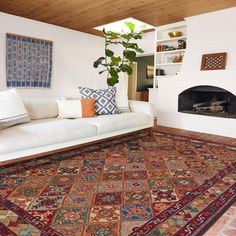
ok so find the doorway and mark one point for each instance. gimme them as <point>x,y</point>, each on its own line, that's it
<point>142,78</point>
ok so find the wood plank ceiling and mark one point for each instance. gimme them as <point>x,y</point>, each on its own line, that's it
<point>84,15</point>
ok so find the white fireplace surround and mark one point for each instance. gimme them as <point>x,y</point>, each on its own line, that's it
<point>207,33</point>
<point>167,106</point>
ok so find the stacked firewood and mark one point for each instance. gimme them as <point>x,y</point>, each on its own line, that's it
<point>216,106</point>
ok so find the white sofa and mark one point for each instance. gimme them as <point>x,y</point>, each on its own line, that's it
<point>47,133</point>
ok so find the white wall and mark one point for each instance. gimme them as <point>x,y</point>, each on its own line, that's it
<point>209,33</point>
<point>147,43</point>
<point>73,56</point>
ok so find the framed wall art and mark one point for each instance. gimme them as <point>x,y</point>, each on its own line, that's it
<point>149,72</point>
<point>213,61</point>
<point>28,61</point>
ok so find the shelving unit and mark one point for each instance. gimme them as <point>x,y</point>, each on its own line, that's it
<point>164,60</point>
<point>170,39</point>
<point>169,64</point>
<point>171,51</point>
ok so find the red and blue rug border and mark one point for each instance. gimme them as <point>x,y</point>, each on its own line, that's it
<point>225,200</point>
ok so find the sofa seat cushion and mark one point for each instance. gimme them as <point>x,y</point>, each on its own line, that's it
<point>112,123</point>
<point>44,132</point>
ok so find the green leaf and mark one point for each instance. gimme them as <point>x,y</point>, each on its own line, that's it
<point>130,25</point>
<point>126,36</point>
<point>115,34</point>
<point>109,53</point>
<point>114,73</point>
<point>107,33</point>
<point>112,42</point>
<point>115,60</point>
<point>130,55</point>
<point>110,34</point>
<point>138,36</point>
<point>140,50</point>
<point>100,72</point>
<point>129,45</point>
<point>112,81</point>
<point>98,62</point>
<point>126,68</point>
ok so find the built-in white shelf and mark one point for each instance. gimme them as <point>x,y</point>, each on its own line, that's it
<point>164,76</point>
<point>171,51</point>
<point>163,60</point>
<point>169,64</point>
<point>171,39</point>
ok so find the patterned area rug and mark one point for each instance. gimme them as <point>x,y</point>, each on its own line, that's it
<point>138,185</point>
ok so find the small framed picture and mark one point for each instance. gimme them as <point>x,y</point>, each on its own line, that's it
<point>213,61</point>
<point>149,72</point>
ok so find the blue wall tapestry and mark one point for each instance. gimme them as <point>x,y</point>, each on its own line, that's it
<point>28,62</point>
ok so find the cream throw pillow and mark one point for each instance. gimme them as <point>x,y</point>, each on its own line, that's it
<point>122,102</point>
<point>12,109</point>
<point>69,108</point>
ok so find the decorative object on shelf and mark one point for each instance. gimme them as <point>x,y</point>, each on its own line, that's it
<point>162,48</point>
<point>149,72</point>
<point>213,61</point>
<point>28,61</point>
<point>160,72</point>
<point>112,64</point>
<point>175,34</point>
<point>181,44</point>
<point>170,48</point>
<point>178,58</point>
<point>170,58</point>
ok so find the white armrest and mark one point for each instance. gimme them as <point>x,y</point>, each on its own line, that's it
<point>146,107</point>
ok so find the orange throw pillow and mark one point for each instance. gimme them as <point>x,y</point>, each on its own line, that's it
<point>88,109</point>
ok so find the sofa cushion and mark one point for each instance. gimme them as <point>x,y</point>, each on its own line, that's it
<point>41,108</point>
<point>122,101</point>
<point>112,123</point>
<point>12,110</point>
<point>44,132</point>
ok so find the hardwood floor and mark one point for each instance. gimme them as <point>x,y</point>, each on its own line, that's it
<point>191,134</point>
<point>226,225</point>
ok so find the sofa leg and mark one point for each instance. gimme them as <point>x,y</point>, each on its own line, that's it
<point>150,132</point>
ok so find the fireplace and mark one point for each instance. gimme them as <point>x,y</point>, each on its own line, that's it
<point>207,100</point>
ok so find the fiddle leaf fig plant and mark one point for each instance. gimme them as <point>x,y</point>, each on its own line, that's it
<point>112,64</point>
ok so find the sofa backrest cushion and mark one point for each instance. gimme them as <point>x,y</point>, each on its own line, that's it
<point>12,110</point>
<point>122,102</point>
<point>41,108</point>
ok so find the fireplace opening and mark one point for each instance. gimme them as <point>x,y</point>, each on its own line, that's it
<point>209,101</point>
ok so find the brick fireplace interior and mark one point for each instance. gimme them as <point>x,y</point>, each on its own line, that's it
<point>207,100</point>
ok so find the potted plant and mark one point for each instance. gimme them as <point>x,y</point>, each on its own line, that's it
<point>112,64</point>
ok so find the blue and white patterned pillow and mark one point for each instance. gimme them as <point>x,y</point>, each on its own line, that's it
<point>104,99</point>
